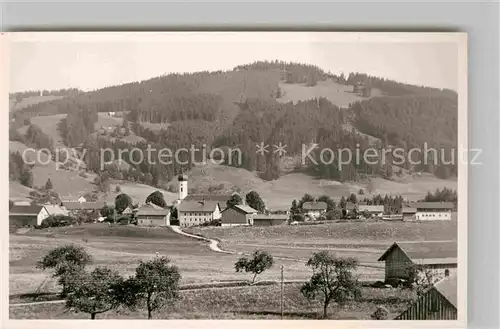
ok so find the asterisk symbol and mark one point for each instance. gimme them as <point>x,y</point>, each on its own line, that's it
<point>261,148</point>
<point>280,149</point>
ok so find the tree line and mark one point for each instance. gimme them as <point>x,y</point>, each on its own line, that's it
<point>18,96</point>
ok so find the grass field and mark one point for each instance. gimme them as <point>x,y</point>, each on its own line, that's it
<point>365,241</point>
<point>239,303</point>
<point>122,247</point>
<point>340,95</point>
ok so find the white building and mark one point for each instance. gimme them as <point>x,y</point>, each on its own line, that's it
<point>314,209</point>
<point>193,212</point>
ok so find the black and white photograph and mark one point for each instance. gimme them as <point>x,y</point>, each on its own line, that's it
<point>237,175</point>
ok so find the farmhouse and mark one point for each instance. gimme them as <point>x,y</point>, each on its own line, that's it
<point>433,210</point>
<point>400,257</point>
<point>32,215</point>
<point>238,215</point>
<point>198,212</point>
<point>74,207</point>
<point>314,209</point>
<point>373,210</point>
<point>437,303</point>
<point>409,213</point>
<point>150,215</point>
<point>269,220</point>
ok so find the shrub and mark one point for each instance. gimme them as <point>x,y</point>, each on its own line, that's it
<point>381,313</point>
<point>57,221</point>
<point>298,218</point>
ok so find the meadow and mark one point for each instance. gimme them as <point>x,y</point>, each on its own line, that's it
<point>365,241</point>
<point>339,94</point>
<point>250,302</point>
<point>121,248</point>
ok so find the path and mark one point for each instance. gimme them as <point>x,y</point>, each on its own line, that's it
<point>213,244</point>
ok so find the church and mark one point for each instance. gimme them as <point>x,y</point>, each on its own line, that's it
<point>197,209</point>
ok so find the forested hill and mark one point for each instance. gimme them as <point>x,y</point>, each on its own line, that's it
<point>239,108</point>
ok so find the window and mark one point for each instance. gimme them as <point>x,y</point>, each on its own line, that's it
<point>447,272</point>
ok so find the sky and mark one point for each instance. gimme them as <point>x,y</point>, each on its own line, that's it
<point>90,61</point>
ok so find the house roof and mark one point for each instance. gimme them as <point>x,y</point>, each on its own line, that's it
<point>246,209</point>
<point>408,210</point>
<point>195,205</point>
<point>208,197</point>
<point>270,216</point>
<point>433,205</point>
<point>84,205</point>
<point>447,287</point>
<point>371,208</point>
<point>18,210</point>
<point>150,210</point>
<point>320,205</point>
<point>427,253</point>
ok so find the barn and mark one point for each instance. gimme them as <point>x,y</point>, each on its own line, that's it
<point>269,220</point>
<point>409,213</point>
<point>401,256</point>
<point>238,215</point>
<point>150,215</point>
<point>437,303</point>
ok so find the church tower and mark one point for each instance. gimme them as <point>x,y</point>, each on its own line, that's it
<point>183,187</point>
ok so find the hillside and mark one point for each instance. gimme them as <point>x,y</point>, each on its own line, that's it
<point>263,102</point>
<point>340,95</point>
<point>25,102</point>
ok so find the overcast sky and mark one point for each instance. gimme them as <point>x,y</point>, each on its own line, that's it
<point>92,61</point>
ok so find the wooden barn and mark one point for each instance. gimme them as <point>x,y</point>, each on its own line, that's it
<point>152,215</point>
<point>437,303</point>
<point>238,215</point>
<point>31,215</point>
<point>400,257</point>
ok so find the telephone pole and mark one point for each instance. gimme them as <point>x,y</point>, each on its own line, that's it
<point>281,292</point>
